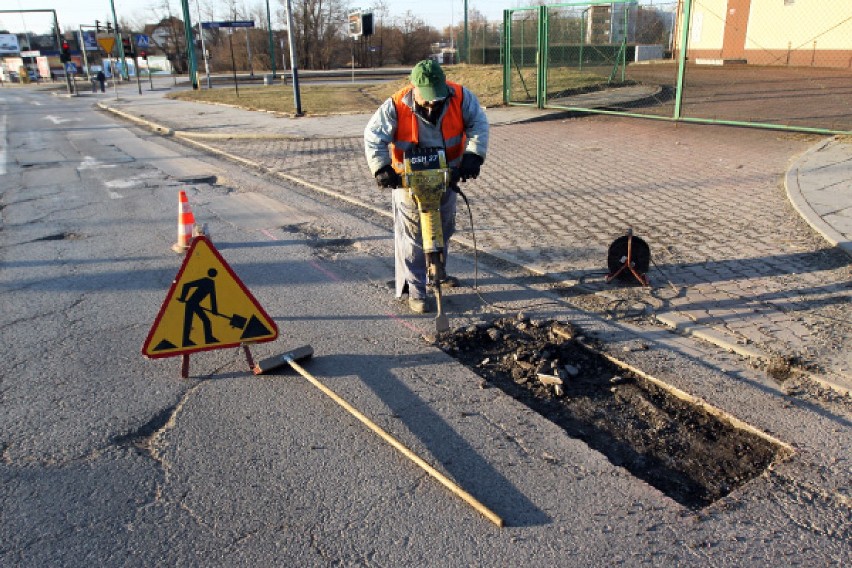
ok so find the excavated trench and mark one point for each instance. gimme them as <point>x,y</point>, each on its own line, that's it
<point>691,454</point>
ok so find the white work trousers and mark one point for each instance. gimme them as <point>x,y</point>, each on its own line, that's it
<point>409,260</point>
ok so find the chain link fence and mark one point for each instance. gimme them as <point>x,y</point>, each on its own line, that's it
<point>783,64</point>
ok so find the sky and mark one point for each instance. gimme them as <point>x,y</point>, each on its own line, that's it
<point>72,13</point>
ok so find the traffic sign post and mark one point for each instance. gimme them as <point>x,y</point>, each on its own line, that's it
<point>143,42</point>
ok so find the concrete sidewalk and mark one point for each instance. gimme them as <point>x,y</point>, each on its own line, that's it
<point>819,185</point>
<point>733,263</point>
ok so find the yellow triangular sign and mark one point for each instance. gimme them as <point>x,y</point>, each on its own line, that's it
<point>207,307</point>
<point>106,43</point>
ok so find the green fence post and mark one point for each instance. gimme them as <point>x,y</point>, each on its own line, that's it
<point>541,56</point>
<point>582,35</point>
<point>681,66</point>
<point>507,54</point>
<point>624,43</point>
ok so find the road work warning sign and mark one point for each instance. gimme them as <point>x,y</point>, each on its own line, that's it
<point>207,307</point>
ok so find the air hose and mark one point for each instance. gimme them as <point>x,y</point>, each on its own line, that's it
<point>458,190</point>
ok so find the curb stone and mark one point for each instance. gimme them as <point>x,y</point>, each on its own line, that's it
<point>801,205</point>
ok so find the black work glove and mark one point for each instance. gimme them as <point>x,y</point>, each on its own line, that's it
<point>387,177</point>
<point>469,167</point>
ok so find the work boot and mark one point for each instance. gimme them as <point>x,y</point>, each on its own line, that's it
<point>450,282</point>
<point>419,305</point>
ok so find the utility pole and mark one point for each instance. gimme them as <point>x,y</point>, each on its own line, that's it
<point>292,43</point>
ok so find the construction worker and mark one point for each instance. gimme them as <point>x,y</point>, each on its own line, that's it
<point>430,112</point>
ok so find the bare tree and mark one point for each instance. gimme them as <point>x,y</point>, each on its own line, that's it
<point>319,32</point>
<point>381,15</point>
<point>167,36</point>
<point>415,40</point>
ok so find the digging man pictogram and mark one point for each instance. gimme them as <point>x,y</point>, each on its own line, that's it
<point>204,287</point>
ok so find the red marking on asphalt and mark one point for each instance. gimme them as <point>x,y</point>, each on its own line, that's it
<point>332,276</point>
<point>325,271</point>
<point>403,323</point>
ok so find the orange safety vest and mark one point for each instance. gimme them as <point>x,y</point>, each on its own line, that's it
<point>407,128</point>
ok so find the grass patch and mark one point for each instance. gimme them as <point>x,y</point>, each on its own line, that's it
<point>316,99</point>
<point>486,81</point>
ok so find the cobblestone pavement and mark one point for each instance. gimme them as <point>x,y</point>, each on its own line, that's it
<point>730,254</point>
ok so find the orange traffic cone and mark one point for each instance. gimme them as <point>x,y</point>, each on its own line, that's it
<point>186,223</point>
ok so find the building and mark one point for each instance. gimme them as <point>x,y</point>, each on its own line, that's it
<point>771,32</point>
<point>610,23</point>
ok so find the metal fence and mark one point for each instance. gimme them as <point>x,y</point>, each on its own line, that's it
<point>485,46</point>
<point>784,64</point>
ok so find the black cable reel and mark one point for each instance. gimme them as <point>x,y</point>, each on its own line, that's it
<point>629,257</point>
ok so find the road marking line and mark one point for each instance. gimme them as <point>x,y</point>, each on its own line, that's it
<point>59,119</point>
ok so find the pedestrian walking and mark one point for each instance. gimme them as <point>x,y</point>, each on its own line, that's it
<point>102,80</point>
<point>429,112</point>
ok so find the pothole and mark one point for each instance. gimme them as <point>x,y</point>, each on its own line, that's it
<point>58,237</point>
<point>333,245</point>
<point>689,451</point>
<point>318,242</point>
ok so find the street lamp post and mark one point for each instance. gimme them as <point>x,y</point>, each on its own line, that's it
<point>124,71</point>
<point>85,55</point>
<point>203,46</point>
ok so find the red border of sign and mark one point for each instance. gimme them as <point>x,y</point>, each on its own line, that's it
<point>170,294</point>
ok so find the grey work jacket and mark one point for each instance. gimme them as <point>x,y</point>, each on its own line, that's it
<point>381,129</point>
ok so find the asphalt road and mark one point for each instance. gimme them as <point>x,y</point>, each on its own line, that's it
<point>110,459</point>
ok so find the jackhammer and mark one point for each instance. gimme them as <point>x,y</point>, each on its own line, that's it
<point>427,177</point>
